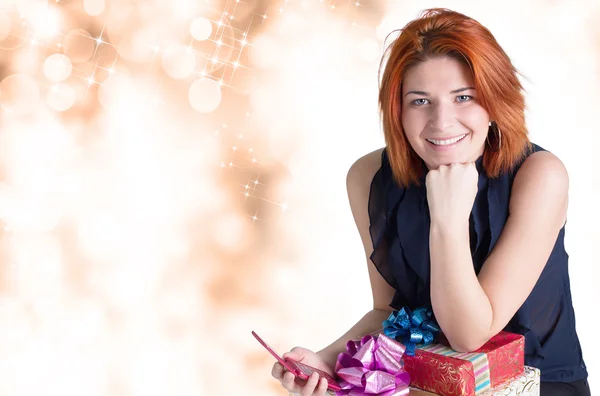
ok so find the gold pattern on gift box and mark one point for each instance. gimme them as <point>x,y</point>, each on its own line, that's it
<point>442,377</point>
<point>514,354</point>
<point>527,384</point>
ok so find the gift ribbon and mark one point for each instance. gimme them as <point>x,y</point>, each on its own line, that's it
<point>411,328</point>
<point>372,366</point>
<point>481,364</point>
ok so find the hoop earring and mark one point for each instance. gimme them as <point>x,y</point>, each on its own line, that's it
<point>498,134</point>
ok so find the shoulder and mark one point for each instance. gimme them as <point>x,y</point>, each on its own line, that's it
<point>542,175</point>
<point>542,169</point>
<point>358,182</point>
<point>361,172</point>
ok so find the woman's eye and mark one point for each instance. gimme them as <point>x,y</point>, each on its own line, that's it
<point>418,102</point>
<point>464,98</point>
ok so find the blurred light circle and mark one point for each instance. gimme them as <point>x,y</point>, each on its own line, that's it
<point>60,97</point>
<point>19,94</point>
<point>184,9</point>
<point>79,45</point>
<point>5,25</point>
<point>205,95</point>
<point>57,67</point>
<point>45,20</point>
<point>178,61</point>
<point>14,30</point>
<point>94,7</point>
<point>201,29</point>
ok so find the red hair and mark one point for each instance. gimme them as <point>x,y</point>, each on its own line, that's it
<point>440,32</point>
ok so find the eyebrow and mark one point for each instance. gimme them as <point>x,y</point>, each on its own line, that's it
<point>427,93</point>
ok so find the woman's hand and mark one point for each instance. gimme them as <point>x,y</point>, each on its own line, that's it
<point>311,387</point>
<point>451,191</point>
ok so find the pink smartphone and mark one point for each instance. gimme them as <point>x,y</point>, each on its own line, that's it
<point>298,369</point>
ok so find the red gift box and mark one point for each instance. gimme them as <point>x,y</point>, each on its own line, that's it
<point>439,369</point>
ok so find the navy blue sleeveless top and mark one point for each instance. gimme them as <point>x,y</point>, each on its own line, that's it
<point>400,234</point>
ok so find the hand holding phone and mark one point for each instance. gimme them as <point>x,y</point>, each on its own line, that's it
<point>299,369</point>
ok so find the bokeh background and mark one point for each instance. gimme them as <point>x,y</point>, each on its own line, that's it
<point>172,176</point>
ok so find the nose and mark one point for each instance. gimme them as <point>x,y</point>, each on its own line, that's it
<point>442,116</point>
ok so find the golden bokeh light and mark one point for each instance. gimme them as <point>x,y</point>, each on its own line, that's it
<point>45,20</point>
<point>61,97</point>
<point>200,29</point>
<point>94,7</point>
<point>205,95</point>
<point>19,94</point>
<point>14,29</point>
<point>172,176</point>
<point>78,45</point>
<point>57,67</point>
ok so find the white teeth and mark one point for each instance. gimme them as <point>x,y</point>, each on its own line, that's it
<point>446,142</point>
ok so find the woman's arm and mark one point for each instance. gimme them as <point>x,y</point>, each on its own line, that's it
<point>358,184</point>
<point>471,309</point>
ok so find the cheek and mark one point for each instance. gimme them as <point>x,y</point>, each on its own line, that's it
<point>477,121</point>
<point>413,125</point>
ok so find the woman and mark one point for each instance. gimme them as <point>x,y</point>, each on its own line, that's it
<point>460,212</point>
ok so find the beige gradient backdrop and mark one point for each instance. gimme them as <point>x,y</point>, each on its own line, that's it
<point>172,176</point>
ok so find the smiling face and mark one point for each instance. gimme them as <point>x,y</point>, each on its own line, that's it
<point>441,116</point>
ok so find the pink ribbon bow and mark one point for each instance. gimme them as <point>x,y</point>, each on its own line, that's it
<point>372,366</point>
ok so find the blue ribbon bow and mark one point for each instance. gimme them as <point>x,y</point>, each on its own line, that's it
<point>411,328</point>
